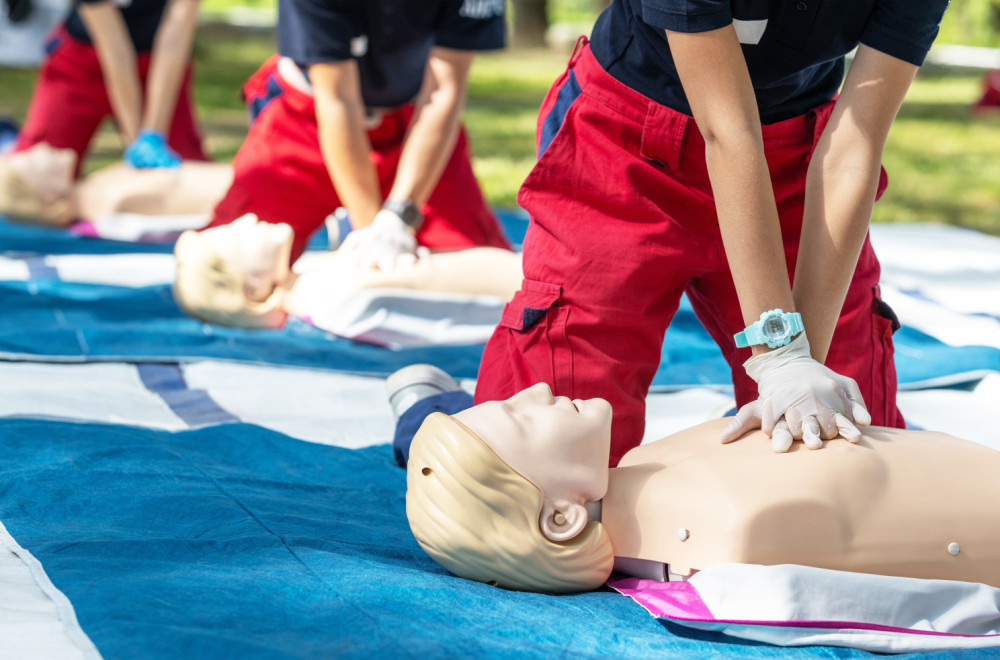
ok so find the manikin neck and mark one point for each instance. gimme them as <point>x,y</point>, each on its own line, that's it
<point>618,510</point>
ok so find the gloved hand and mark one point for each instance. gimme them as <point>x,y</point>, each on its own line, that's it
<point>799,398</point>
<point>385,244</point>
<point>150,149</point>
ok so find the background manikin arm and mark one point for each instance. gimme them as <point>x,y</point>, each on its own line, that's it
<point>330,277</point>
<point>840,189</point>
<point>107,29</point>
<point>189,189</point>
<point>725,109</point>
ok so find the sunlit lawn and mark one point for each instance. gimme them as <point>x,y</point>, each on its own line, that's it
<point>944,164</point>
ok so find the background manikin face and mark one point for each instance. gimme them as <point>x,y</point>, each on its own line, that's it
<point>48,170</point>
<point>560,446</point>
<point>259,249</point>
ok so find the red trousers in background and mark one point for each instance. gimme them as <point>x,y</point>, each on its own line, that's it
<point>279,173</point>
<point>622,223</point>
<point>71,100</point>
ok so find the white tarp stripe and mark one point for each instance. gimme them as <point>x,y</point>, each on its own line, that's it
<point>12,269</point>
<point>964,414</point>
<point>944,281</point>
<point>320,406</point>
<point>139,228</point>
<point>351,411</point>
<point>104,392</point>
<point>57,633</point>
<point>324,407</point>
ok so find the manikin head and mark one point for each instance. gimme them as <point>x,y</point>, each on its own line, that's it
<point>497,493</point>
<point>232,274</point>
<point>36,185</point>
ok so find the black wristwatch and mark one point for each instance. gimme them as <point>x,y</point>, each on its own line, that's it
<point>406,210</point>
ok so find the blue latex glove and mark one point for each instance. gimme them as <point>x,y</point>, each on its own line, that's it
<point>150,149</point>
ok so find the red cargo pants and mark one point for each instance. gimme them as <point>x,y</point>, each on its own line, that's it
<point>279,173</point>
<point>622,223</point>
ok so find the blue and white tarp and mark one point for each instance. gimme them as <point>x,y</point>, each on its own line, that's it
<point>172,489</point>
<point>82,304</point>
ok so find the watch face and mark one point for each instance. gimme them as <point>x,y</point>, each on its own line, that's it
<point>776,327</point>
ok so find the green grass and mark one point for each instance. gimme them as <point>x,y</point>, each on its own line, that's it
<point>504,95</point>
<point>943,163</point>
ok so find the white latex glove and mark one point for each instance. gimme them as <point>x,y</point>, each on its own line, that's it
<point>799,398</point>
<point>385,244</point>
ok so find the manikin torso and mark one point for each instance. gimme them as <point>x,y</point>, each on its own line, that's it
<point>322,281</point>
<point>55,198</point>
<point>906,503</point>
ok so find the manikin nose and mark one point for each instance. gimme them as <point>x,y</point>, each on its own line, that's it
<point>541,392</point>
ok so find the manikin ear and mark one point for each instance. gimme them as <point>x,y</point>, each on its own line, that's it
<point>561,520</point>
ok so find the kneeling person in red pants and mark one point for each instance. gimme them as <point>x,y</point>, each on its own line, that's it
<point>701,147</point>
<point>361,109</point>
<point>128,59</point>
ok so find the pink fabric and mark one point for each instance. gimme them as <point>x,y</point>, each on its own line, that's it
<point>670,600</point>
<point>84,228</point>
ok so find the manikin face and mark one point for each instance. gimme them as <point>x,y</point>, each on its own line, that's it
<point>560,446</point>
<point>46,177</point>
<point>259,249</point>
<point>47,169</point>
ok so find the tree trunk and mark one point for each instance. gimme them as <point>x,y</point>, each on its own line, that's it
<point>531,21</point>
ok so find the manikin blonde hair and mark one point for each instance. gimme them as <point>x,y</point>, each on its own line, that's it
<point>479,518</point>
<point>22,202</point>
<point>211,289</point>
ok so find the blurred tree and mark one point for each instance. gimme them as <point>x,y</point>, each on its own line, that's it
<point>531,21</point>
<point>972,22</point>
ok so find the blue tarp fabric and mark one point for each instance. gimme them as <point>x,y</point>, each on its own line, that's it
<point>237,542</point>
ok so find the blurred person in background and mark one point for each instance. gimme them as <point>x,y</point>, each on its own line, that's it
<point>126,59</point>
<point>361,109</point>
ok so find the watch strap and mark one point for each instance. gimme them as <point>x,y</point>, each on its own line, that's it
<point>795,323</point>
<point>753,334</point>
<point>407,211</point>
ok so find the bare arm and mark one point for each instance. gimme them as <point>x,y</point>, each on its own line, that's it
<point>171,50</point>
<point>116,54</point>
<point>435,125</point>
<point>343,139</point>
<point>725,109</point>
<point>840,189</point>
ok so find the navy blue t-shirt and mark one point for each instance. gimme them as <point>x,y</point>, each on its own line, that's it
<point>142,18</point>
<point>794,49</point>
<point>390,39</point>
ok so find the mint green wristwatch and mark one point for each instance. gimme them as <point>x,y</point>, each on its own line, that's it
<point>775,328</point>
